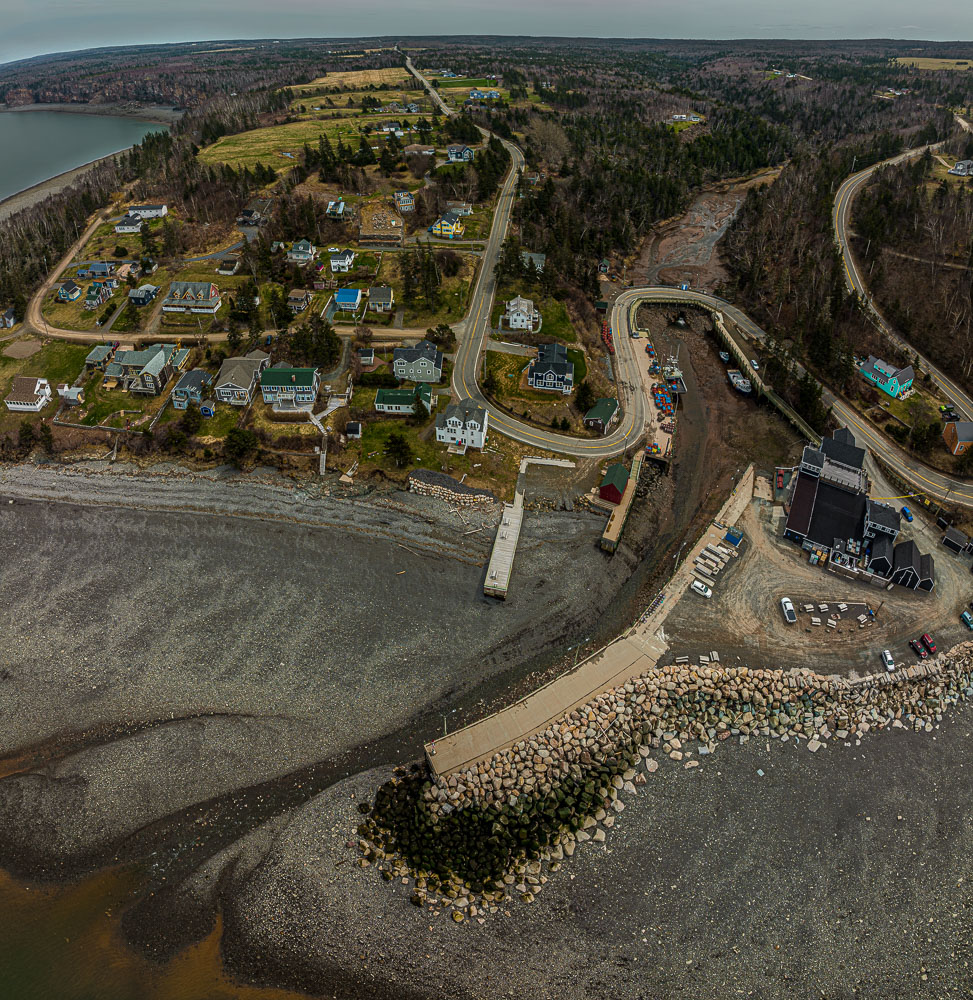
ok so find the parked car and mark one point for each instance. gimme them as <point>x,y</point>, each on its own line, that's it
<point>701,589</point>
<point>918,648</point>
<point>888,661</point>
<point>334,250</point>
<point>926,640</point>
<point>967,620</point>
<point>724,357</point>
<point>790,615</point>
<point>907,514</point>
<point>755,364</point>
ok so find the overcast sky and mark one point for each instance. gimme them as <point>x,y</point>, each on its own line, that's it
<point>34,27</point>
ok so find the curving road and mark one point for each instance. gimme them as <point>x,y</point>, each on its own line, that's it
<point>841,214</point>
<point>474,330</point>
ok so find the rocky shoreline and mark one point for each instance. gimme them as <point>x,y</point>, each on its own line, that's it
<point>472,840</point>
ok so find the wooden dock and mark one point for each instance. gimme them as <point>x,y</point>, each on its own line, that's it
<point>504,549</point>
<point>616,522</point>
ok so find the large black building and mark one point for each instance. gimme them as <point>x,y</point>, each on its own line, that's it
<point>830,513</point>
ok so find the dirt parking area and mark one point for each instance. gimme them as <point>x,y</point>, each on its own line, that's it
<point>743,621</point>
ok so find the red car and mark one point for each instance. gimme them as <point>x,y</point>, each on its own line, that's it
<point>926,640</point>
<point>918,648</point>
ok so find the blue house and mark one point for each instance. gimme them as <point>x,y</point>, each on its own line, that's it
<point>347,299</point>
<point>189,388</point>
<point>891,380</point>
<point>477,95</point>
<point>96,269</point>
<point>69,291</point>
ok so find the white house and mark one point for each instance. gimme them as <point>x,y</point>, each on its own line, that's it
<point>341,262</point>
<point>28,394</point>
<point>521,315</point>
<point>132,223</point>
<point>463,424</point>
<point>149,211</point>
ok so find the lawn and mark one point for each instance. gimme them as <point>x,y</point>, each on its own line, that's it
<point>217,427</point>
<point>576,356</point>
<point>103,406</point>
<point>73,315</point>
<point>556,323</point>
<point>57,361</point>
<point>509,369</point>
<point>261,418</point>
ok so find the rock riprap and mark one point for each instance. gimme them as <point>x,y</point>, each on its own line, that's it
<point>477,838</point>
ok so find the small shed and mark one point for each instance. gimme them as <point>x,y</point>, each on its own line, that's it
<point>353,430</point>
<point>613,485</point>
<point>208,407</point>
<point>955,540</point>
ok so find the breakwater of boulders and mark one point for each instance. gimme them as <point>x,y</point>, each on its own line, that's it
<point>470,841</point>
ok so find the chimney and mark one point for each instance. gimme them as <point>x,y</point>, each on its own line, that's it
<point>293,378</point>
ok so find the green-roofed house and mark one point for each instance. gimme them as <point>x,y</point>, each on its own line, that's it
<point>99,357</point>
<point>602,415</point>
<point>289,389</point>
<point>613,485</point>
<point>404,400</point>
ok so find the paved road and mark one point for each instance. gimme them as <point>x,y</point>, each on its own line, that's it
<point>473,333</point>
<point>841,214</point>
<point>924,479</point>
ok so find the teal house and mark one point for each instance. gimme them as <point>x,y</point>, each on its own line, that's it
<point>888,378</point>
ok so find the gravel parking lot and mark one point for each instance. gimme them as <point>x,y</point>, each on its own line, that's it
<point>743,620</point>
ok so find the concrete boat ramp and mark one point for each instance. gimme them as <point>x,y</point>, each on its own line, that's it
<point>639,649</point>
<point>501,565</point>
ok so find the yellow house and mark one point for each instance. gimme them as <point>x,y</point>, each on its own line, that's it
<point>449,227</point>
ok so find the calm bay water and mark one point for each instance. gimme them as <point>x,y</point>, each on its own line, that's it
<point>37,145</point>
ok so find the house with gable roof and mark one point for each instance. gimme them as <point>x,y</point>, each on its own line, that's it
<point>238,377</point>
<point>192,297</point>
<point>891,380</point>
<point>551,369</point>
<point>463,425</point>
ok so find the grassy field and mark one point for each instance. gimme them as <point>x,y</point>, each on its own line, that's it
<point>921,62</point>
<point>279,146</point>
<point>73,315</point>
<point>350,101</point>
<point>464,83</point>
<point>357,78</point>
